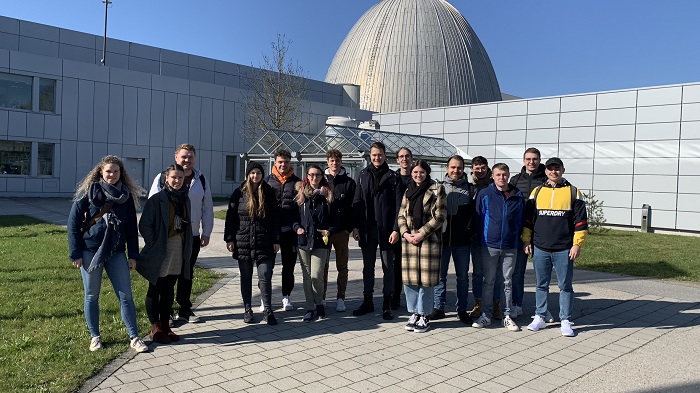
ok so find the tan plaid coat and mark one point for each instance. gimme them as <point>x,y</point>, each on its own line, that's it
<point>420,265</point>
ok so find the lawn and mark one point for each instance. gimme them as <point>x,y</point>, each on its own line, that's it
<point>220,214</point>
<point>43,337</point>
<point>642,254</point>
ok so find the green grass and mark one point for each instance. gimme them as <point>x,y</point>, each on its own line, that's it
<point>642,254</point>
<point>220,214</point>
<point>43,336</point>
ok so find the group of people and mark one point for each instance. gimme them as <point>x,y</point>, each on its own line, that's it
<point>417,223</point>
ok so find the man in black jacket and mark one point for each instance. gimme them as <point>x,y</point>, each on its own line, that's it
<point>376,208</point>
<point>404,157</point>
<point>283,181</point>
<point>530,176</point>
<point>343,194</point>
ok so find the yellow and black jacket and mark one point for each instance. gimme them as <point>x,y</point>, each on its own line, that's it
<point>557,219</point>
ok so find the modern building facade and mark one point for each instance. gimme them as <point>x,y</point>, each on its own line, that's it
<point>61,110</point>
<point>627,147</point>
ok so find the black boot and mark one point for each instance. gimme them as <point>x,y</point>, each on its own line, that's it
<point>321,311</point>
<point>386,308</point>
<point>248,316</point>
<point>269,317</point>
<point>366,307</point>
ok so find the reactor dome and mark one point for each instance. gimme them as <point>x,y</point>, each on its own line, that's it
<point>412,54</point>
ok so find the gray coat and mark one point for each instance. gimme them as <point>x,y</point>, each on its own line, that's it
<point>153,226</point>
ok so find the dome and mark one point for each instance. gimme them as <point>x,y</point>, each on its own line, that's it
<point>413,54</point>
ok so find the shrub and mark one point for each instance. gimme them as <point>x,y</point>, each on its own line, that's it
<point>596,217</point>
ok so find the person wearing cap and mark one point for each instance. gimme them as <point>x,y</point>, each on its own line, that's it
<point>555,229</point>
<point>252,233</point>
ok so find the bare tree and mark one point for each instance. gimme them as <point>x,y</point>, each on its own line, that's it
<point>275,93</point>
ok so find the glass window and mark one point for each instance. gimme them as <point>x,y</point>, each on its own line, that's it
<point>47,95</point>
<point>231,162</point>
<point>15,91</point>
<point>45,159</point>
<point>15,157</point>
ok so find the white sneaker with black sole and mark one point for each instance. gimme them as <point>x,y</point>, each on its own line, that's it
<point>422,325</point>
<point>411,325</point>
<point>482,322</point>
<point>509,324</point>
<point>287,304</point>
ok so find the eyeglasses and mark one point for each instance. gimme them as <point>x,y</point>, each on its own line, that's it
<point>314,174</point>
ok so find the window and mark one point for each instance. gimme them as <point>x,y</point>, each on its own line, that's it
<point>15,91</point>
<point>45,164</point>
<point>47,95</point>
<point>231,165</point>
<point>15,157</point>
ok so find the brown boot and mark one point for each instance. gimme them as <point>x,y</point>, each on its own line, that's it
<point>159,335</point>
<point>171,335</point>
<point>497,311</point>
<point>476,311</point>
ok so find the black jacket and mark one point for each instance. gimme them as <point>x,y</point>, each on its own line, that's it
<point>386,206</point>
<point>343,194</point>
<point>460,212</point>
<point>526,182</point>
<point>285,194</point>
<point>254,238</point>
<point>315,213</point>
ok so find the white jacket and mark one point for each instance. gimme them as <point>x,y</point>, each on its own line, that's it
<point>201,202</point>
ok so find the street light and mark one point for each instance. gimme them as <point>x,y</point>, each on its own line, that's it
<point>104,42</point>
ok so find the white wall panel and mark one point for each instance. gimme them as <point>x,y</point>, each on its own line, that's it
<point>547,105</point>
<point>579,165</point>
<point>616,165</point>
<point>486,151</point>
<point>548,150</point>
<point>538,136</point>
<point>622,132</point>
<point>661,96</point>
<point>659,114</point>
<point>510,137</point>
<point>657,200</point>
<point>433,115</point>
<point>689,166</point>
<point>612,182</point>
<point>688,221</point>
<point>691,93</point>
<point>577,119</point>
<point>483,110</point>
<point>576,134</point>
<point>690,148</point>
<point>455,126</point>
<point>410,117</point>
<point>614,149</point>
<point>689,184</point>
<point>575,150</point>
<point>622,99</point>
<point>457,113</point>
<point>649,149</point>
<point>581,181</point>
<point>616,116</point>
<point>510,153</point>
<point>662,219</point>
<point>482,138</point>
<point>547,120</point>
<point>691,112</point>
<point>690,130</point>
<point>578,103</point>
<point>410,128</point>
<point>511,123</point>
<point>482,125</point>
<point>654,183</point>
<point>614,198</point>
<point>689,202</point>
<point>390,118</point>
<point>433,129</point>
<point>618,216</point>
<point>512,108</point>
<point>657,131</point>
<point>461,139</point>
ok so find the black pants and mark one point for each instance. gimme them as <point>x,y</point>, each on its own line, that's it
<point>264,281</point>
<point>184,286</point>
<point>160,298</point>
<point>288,249</point>
<point>369,259</point>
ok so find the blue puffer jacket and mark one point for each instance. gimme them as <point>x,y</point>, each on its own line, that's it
<point>500,218</point>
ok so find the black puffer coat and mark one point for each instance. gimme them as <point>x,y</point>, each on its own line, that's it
<point>526,182</point>
<point>254,238</point>
<point>285,194</point>
<point>343,194</point>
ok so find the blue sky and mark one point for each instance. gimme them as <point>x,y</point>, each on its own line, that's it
<point>538,47</point>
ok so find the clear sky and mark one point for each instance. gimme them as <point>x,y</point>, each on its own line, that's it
<point>538,47</point>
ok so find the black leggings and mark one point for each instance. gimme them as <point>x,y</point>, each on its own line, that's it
<point>160,298</point>
<point>264,281</point>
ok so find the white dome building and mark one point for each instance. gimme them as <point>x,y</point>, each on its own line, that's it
<point>412,54</point>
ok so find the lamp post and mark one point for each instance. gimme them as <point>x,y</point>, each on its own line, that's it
<point>104,42</point>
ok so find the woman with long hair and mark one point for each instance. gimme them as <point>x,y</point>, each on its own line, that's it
<point>314,226</point>
<point>101,227</point>
<point>252,234</point>
<point>421,216</point>
<point>167,232</point>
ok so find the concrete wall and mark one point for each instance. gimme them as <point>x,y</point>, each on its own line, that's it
<point>140,106</point>
<point>628,147</point>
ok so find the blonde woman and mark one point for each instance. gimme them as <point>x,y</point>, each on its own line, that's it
<point>101,228</point>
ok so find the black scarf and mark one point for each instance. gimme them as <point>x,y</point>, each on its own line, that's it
<point>376,177</point>
<point>102,192</point>
<point>179,199</point>
<point>415,194</point>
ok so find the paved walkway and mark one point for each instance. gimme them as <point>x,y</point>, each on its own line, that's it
<point>633,335</point>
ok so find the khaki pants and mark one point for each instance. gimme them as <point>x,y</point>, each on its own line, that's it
<point>340,243</point>
<point>313,265</point>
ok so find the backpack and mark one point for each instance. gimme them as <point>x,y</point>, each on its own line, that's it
<point>202,179</point>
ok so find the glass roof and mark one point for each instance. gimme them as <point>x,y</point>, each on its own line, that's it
<point>352,142</point>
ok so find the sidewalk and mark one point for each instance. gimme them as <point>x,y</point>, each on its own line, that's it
<point>633,335</point>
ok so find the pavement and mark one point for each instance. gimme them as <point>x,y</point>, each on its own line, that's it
<point>632,335</point>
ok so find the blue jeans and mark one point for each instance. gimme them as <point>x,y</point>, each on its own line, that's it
<point>543,262</point>
<point>419,299</point>
<point>478,274</point>
<point>118,273</point>
<point>497,263</point>
<point>460,256</point>
<point>519,275</point>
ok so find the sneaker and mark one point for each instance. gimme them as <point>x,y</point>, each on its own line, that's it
<point>497,311</point>
<point>566,329</point>
<point>321,311</point>
<point>138,345</point>
<point>95,344</point>
<point>262,305</point>
<point>412,322</point>
<point>309,316</point>
<point>464,317</point>
<point>287,304</point>
<point>193,318</point>
<point>187,316</point>
<point>548,317</point>
<point>482,322</point>
<point>171,320</point>
<point>516,311</point>
<point>269,317</point>
<point>537,324</point>
<point>340,305</point>
<point>436,314</point>
<point>248,316</point>
<point>422,325</point>
<point>510,325</point>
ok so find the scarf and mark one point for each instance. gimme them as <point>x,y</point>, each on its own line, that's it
<point>376,177</point>
<point>485,181</point>
<point>283,178</point>
<point>179,199</point>
<point>99,194</point>
<point>415,194</point>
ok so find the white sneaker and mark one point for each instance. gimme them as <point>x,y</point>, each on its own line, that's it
<point>287,304</point>
<point>95,344</point>
<point>171,320</point>
<point>566,329</point>
<point>537,324</point>
<point>516,311</point>
<point>340,305</point>
<point>482,322</point>
<point>262,306</point>
<point>548,317</point>
<point>422,325</point>
<point>411,325</point>
<point>138,345</point>
<point>510,325</point>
